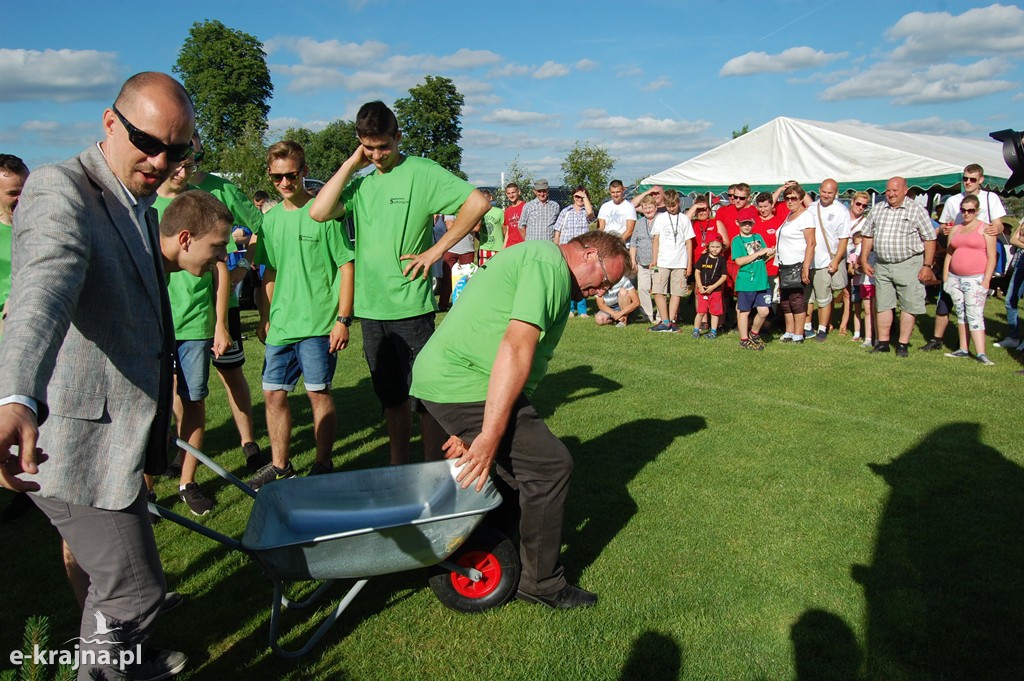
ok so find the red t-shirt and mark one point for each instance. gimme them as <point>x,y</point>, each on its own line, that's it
<point>513,235</point>
<point>703,229</point>
<point>768,229</point>
<point>730,217</point>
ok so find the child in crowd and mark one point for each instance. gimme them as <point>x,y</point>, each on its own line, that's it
<point>709,279</point>
<point>672,245</point>
<point>851,294</point>
<point>865,287</point>
<point>750,252</point>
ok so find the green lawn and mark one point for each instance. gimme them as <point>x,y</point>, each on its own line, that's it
<point>809,512</point>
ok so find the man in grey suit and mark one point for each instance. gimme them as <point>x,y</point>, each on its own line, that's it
<point>86,356</point>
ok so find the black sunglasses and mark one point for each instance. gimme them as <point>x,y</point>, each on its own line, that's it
<point>969,179</point>
<point>151,146</point>
<point>276,178</point>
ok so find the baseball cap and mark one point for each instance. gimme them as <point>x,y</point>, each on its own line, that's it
<point>540,184</point>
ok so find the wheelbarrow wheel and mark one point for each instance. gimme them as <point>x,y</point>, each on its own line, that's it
<point>497,559</point>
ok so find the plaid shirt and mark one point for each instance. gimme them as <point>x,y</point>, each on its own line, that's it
<point>571,223</point>
<point>898,233</point>
<point>538,219</point>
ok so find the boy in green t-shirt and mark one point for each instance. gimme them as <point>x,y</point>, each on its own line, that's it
<point>13,173</point>
<point>305,311</point>
<point>492,231</point>
<point>392,210</point>
<point>750,252</point>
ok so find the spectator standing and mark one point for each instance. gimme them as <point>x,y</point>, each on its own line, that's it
<point>617,215</point>
<point>795,253</point>
<point>969,264</point>
<point>832,222</point>
<point>672,244</point>
<point>514,210</point>
<point>538,217</point>
<point>492,231</point>
<point>709,279</point>
<point>641,252</point>
<point>749,252</point>
<point>13,173</point>
<point>574,220</point>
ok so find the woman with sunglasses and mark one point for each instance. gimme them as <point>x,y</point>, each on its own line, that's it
<point>970,262</point>
<point>794,254</point>
<point>573,221</point>
<point>704,225</point>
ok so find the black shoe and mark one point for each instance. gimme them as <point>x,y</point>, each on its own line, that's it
<point>172,599</point>
<point>821,336</point>
<point>269,474</point>
<point>197,502</point>
<point>159,664</point>
<point>569,597</point>
<point>933,344</point>
<point>319,469</point>
<point>880,347</point>
<point>254,459</point>
<point>902,350</point>
<point>151,498</point>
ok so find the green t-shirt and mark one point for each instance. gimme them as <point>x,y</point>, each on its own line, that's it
<point>754,275</point>
<point>530,283</point>
<point>491,238</point>
<point>393,216</point>
<point>245,211</point>
<point>306,255</point>
<point>5,263</point>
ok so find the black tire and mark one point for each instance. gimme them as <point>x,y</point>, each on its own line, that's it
<point>496,557</point>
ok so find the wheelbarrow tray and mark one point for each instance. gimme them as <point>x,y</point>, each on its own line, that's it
<point>362,523</point>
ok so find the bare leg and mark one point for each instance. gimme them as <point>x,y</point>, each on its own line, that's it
<point>673,308</point>
<point>978,338</point>
<point>399,422</point>
<point>762,315</point>
<point>191,429</point>
<point>742,323</point>
<point>662,305</point>
<point>906,326</point>
<point>240,401</point>
<point>325,420</point>
<point>884,325</point>
<point>961,330</point>
<point>279,426</point>
<point>941,322</point>
<point>433,437</point>
<point>844,322</point>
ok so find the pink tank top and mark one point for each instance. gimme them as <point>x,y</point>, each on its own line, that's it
<point>969,255</point>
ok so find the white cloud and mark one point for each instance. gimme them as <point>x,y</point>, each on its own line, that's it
<point>933,125</point>
<point>58,75</point>
<point>930,85</point>
<point>793,59</point>
<point>513,117</point>
<point>550,69</point>
<point>996,29</point>
<point>282,123</point>
<point>644,126</point>
<point>629,72</point>
<point>658,84</point>
<point>508,70</point>
<point>1019,97</point>
<point>329,52</point>
<point>586,65</point>
<point>39,133</point>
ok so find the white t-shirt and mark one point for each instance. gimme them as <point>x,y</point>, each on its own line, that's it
<point>986,200</point>
<point>615,215</point>
<point>837,226</point>
<point>672,231</point>
<point>791,244</point>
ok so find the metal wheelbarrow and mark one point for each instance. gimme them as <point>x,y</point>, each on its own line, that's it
<point>363,523</point>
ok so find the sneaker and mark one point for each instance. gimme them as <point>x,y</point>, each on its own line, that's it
<point>621,324</point>
<point>569,597</point>
<point>786,339</point>
<point>696,333</point>
<point>902,350</point>
<point>747,344</point>
<point>985,361</point>
<point>756,339</point>
<point>821,336</point>
<point>1008,342</point>
<point>673,327</point>
<point>660,327</point>
<point>198,503</point>
<point>867,344</point>
<point>958,354</point>
<point>269,474</point>
<point>933,344</point>
<point>151,498</point>
<point>883,346</point>
<point>798,341</point>
<point>158,664</point>
<point>808,331</point>
<point>856,337</point>
<point>254,459</point>
<point>583,315</point>
<point>319,469</point>
<point>172,599</point>
<point>705,327</point>
<point>711,335</point>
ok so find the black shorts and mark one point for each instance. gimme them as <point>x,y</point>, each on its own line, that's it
<point>390,347</point>
<point>235,356</point>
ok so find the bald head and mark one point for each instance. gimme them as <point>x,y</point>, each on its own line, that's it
<point>827,192</point>
<point>145,81</point>
<point>896,191</point>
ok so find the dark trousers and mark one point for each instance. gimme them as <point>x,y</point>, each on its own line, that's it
<point>126,581</point>
<point>533,470</point>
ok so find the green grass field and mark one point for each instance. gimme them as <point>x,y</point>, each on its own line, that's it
<point>807,512</point>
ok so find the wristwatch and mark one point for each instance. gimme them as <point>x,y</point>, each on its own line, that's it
<point>244,264</point>
<point>347,321</point>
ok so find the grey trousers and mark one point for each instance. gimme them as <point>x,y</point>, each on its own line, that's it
<point>126,581</point>
<point>535,468</point>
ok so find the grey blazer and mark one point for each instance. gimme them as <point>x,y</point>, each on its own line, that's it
<point>88,333</point>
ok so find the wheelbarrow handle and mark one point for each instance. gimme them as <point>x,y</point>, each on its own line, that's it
<point>215,467</point>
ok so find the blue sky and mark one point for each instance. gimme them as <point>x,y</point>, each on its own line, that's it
<point>655,82</point>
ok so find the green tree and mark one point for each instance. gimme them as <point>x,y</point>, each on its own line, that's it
<point>245,162</point>
<point>589,165</point>
<point>327,148</point>
<point>226,73</point>
<point>742,131</point>
<point>515,172</point>
<point>430,122</point>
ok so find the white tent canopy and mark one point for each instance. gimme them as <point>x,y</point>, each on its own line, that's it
<point>858,157</point>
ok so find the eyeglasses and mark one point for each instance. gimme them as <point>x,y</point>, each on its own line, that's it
<point>199,156</point>
<point>607,283</point>
<point>792,198</point>
<point>655,193</point>
<point>701,210</point>
<point>967,178</point>
<point>740,198</point>
<point>860,205</point>
<point>732,196</point>
<point>968,211</point>
<point>278,178</point>
<point>578,197</point>
<point>190,167</point>
<point>151,146</point>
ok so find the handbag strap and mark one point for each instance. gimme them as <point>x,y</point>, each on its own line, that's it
<point>821,226</point>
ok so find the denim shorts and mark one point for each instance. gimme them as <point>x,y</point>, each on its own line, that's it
<point>192,368</point>
<point>748,300</point>
<point>309,357</point>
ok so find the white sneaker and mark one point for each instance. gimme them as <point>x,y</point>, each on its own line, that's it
<point>1008,342</point>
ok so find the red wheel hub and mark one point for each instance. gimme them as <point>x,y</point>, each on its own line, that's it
<point>487,564</point>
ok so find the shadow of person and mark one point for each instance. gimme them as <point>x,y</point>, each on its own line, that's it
<point>945,590</point>
<point>600,504</point>
<point>571,385</point>
<point>824,648</point>
<point>654,657</point>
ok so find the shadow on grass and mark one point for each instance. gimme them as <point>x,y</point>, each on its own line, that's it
<point>571,385</point>
<point>600,504</point>
<point>945,590</point>
<point>825,648</point>
<point>655,657</point>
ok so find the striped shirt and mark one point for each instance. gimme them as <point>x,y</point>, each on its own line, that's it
<point>538,219</point>
<point>899,233</point>
<point>571,223</point>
